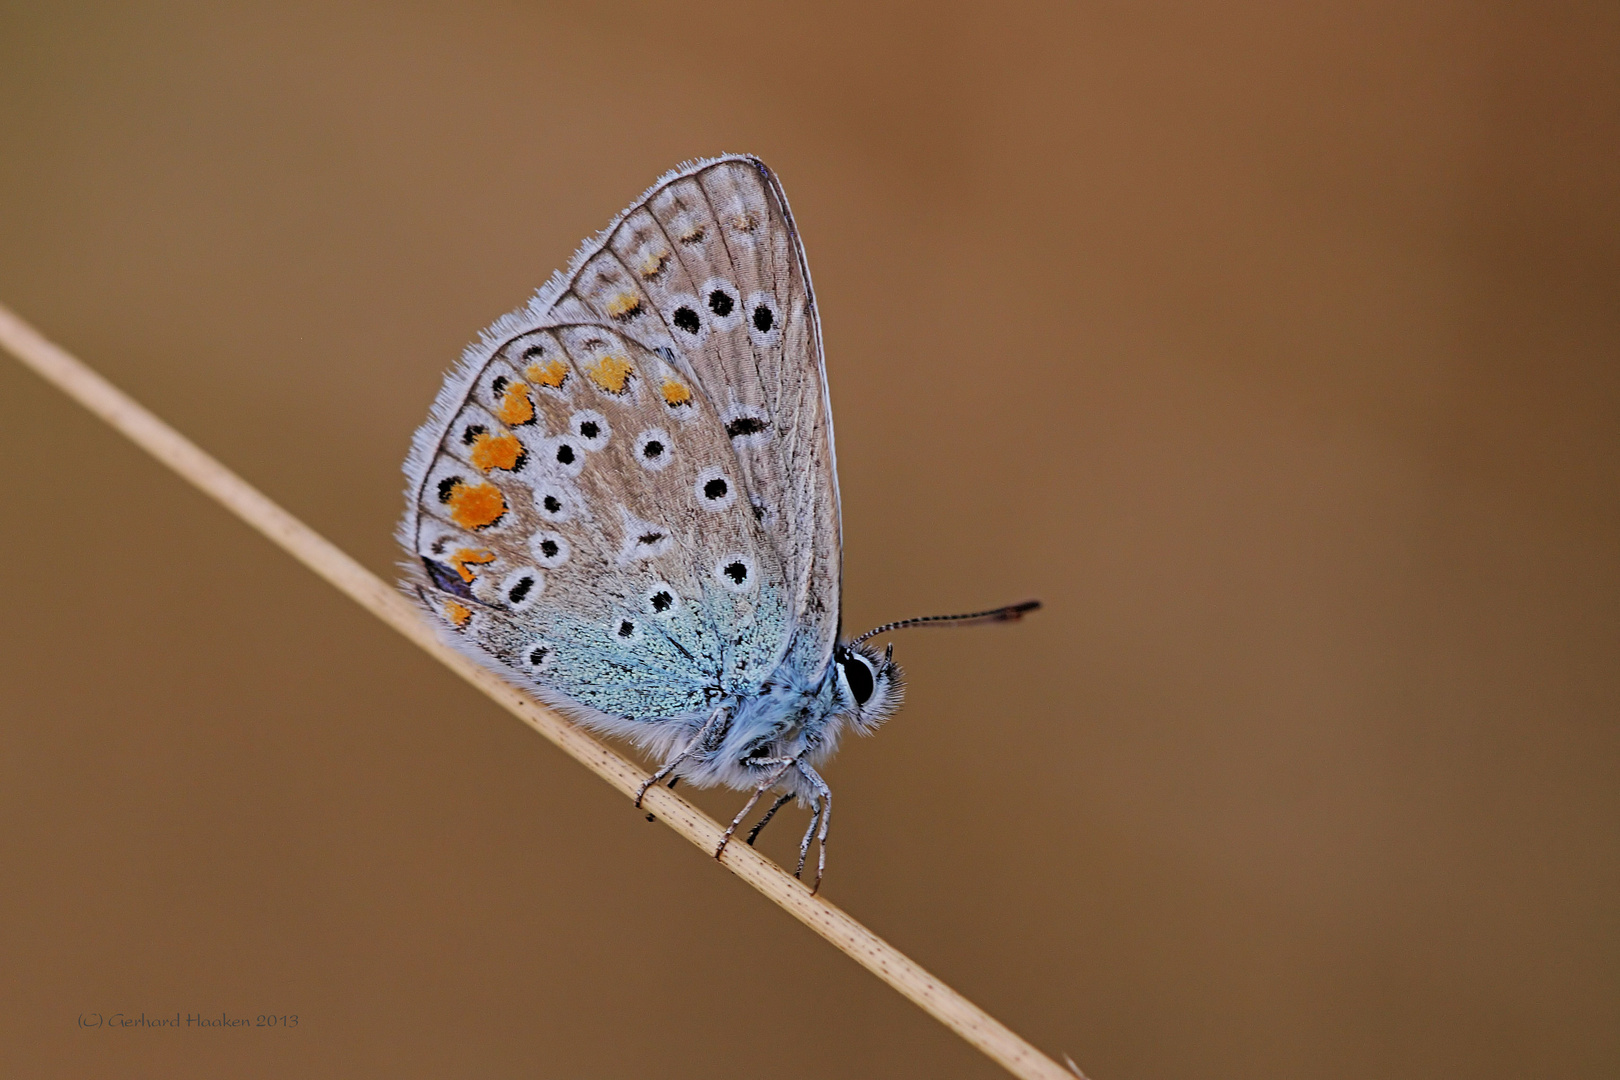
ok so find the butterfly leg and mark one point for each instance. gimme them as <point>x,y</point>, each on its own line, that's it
<point>783,765</point>
<point>753,834</point>
<point>824,814</point>
<point>809,835</point>
<point>698,742</point>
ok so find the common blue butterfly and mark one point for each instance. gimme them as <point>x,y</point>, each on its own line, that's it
<point>625,499</point>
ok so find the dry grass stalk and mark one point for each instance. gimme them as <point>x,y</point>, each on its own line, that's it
<point>143,428</point>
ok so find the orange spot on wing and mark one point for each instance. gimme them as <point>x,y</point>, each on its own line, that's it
<point>552,373</point>
<point>676,393</point>
<point>652,264</point>
<point>625,305</point>
<point>459,614</point>
<point>470,555</point>
<point>476,506</point>
<point>611,373</point>
<point>502,451</point>
<point>515,409</point>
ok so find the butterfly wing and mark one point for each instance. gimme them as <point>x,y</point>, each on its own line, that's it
<point>707,270</point>
<point>577,514</point>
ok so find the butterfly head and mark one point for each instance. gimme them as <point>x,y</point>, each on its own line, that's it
<point>869,684</point>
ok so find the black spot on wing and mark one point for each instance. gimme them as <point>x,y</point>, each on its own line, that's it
<point>746,425</point>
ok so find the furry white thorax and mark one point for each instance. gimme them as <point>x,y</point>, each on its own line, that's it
<point>787,719</point>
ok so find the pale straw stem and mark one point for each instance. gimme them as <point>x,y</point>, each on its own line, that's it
<point>375,595</point>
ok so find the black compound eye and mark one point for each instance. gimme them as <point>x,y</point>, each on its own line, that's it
<point>720,302</point>
<point>858,673</point>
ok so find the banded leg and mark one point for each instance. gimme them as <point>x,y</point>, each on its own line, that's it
<point>691,748</point>
<point>753,834</point>
<point>826,820</point>
<point>809,835</point>
<point>784,764</point>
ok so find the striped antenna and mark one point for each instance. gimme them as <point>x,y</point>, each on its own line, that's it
<point>1010,613</point>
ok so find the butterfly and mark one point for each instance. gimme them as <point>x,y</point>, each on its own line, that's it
<point>625,500</point>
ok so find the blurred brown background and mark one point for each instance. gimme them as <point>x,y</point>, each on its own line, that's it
<point>1275,350</point>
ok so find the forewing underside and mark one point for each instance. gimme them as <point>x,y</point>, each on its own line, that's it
<point>579,515</point>
<point>707,270</point>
